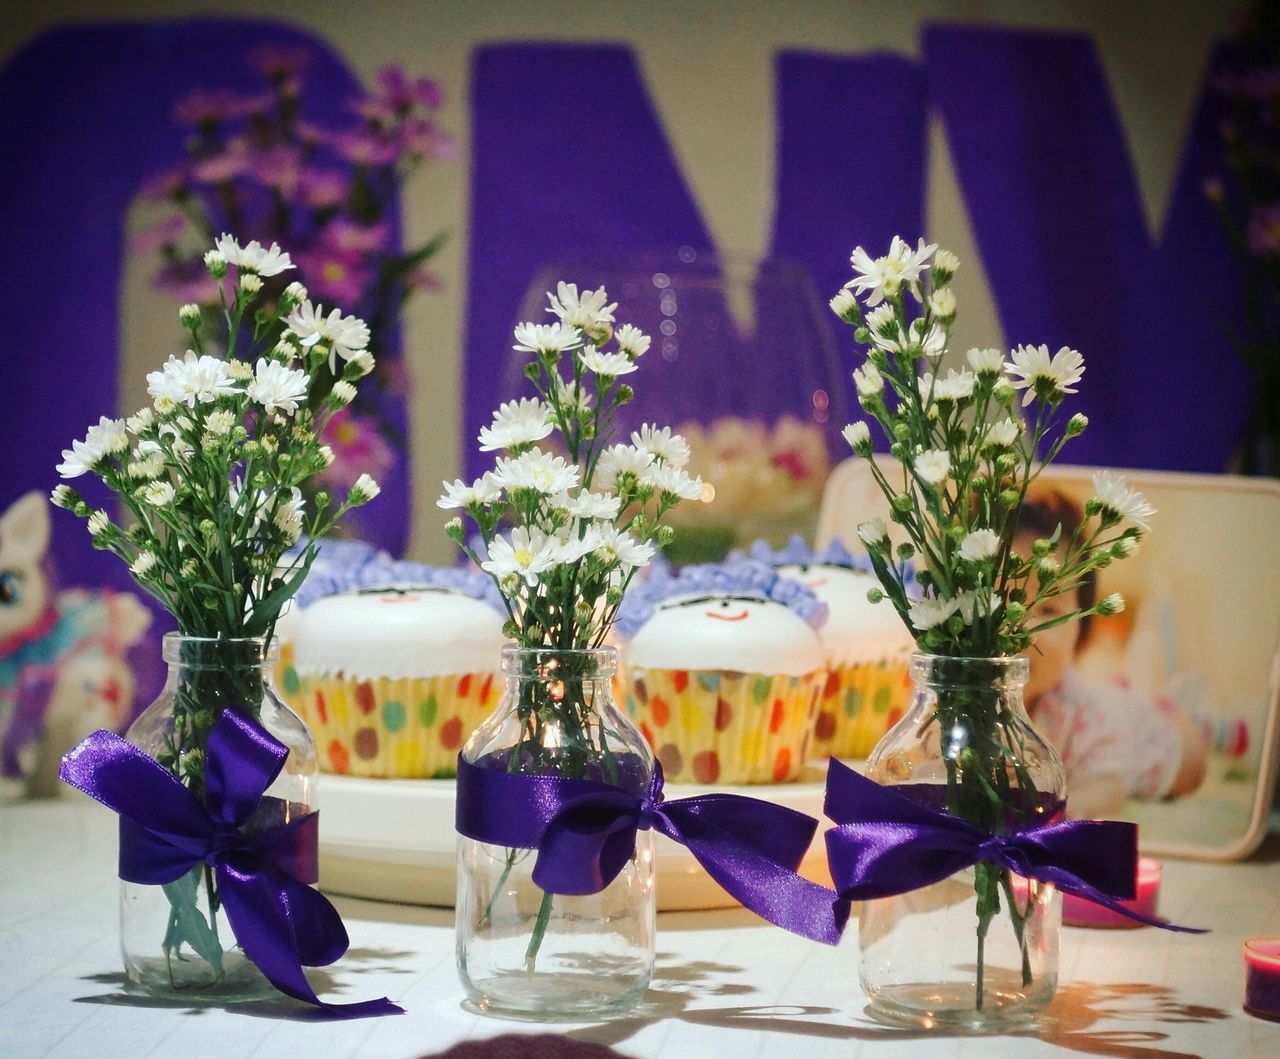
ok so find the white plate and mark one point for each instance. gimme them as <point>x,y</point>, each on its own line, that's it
<point>393,840</point>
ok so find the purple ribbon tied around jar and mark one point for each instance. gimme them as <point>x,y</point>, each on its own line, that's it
<point>585,833</point>
<point>885,843</point>
<point>263,872</point>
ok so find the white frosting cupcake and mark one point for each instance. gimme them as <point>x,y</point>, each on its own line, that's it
<point>856,630</point>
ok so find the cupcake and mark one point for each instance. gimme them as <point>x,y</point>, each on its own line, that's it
<point>335,562</point>
<point>396,670</point>
<point>866,647</point>
<point>723,672</point>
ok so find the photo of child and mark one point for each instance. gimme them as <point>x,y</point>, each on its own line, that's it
<point>1115,743</point>
<point>1164,714</point>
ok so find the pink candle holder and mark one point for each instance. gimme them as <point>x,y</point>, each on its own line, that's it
<point>1078,912</point>
<point>1262,977</point>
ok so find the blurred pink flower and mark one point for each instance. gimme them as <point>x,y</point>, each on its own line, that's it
<point>1264,231</point>
<point>401,93</point>
<point>210,106</point>
<point>333,273</point>
<point>423,139</point>
<point>358,448</point>
<point>278,61</point>
<point>167,184</point>
<point>363,148</point>
<point>323,187</point>
<point>346,234</point>
<point>187,281</point>
<point>161,234</point>
<point>278,167</point>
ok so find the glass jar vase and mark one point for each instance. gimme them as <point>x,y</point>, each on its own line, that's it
<point>523,952</point>
<point>979,950</point>
<point>175,938</point>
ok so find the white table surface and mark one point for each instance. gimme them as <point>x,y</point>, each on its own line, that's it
<point>725,985</point>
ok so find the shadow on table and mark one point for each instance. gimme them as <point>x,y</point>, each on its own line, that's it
<point>1074,1021</point>
<point>277,1007</point>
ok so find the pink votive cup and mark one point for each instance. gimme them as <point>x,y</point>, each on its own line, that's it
<point>1078,912</point>
<point>1262,977</point>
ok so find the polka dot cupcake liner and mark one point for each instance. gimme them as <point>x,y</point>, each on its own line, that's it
<point>717,727</point>
<point>859,704</point>
<point>406,728</point>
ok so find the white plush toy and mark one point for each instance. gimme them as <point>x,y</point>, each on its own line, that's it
<point>63,671</point>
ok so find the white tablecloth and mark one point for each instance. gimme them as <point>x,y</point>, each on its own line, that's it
<point>725,985</point>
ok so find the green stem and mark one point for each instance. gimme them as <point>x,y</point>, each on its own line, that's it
<point>539,929</point>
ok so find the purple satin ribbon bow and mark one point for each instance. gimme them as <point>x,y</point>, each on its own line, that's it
<point>887,844</point>
<point>585,832</point>
<point>280,922</point>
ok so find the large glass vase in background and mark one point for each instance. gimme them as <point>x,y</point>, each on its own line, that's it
<point>979,950</point>
<point>524,952</point>
<point>175,938</point>
<point>748,373</point>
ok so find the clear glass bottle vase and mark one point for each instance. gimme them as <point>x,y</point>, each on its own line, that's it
<point>175,938</point>
<point>977,951</point>
<point>522,952</point>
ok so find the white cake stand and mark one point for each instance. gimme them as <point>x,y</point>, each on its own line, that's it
<point>393,840</point>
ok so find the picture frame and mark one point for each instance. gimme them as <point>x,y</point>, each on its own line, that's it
<point>1186,680</point>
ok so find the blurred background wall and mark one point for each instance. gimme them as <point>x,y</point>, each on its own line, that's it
<point>709,70</point>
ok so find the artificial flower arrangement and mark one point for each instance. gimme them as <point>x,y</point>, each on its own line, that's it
<point>963,459</point>
<point>329,194</point>
<point>210,477</point>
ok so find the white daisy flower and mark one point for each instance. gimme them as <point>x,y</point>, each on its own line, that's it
<point>946,262</point>
<point>289,516</point>
<point>674,480</point>
<point>140,420</point>
<point>527,554</point>
<point>158,494</point>
<point>538,470</point>
<point>546,338</point>
<point>363,489</point>
<point>868,380</point>
<point>980,544</point>
<point>192,380</point>
<point>590,505</point>
<point>985,361</point>
<point>927,613</point>
<point>1049,377</point>
<point>883,319</point>
<point>189,314</point>
<point>484,490</point>
<point>295,292</point>
<point>347,336</point>
<point>844,305</point>
<point>84,455</point>
<point>1004,433</point>
<point>618,546</point>
<point>618,460</point>
<point>517,423</point>
<point>671,449</point>
<point>250,282</point>
<point>969,605</point>
<point>276,387</point>
<point>609,365</point>
<point>141,566</point>
<point>934,344</point>
<point>884,276</point>
<point>857,435</point>
<point>63,496</point>
<point>1110,605</point>
<point>957,386</point>
<point>343,392</point>
<point>1121,502</point>
<point>632,340</point>
<point>873,531</point>
<point>265,262</point>
<point>932,465</point>
<point>942,303</point>
<point>586,310</point>
<point>363,363</point>
<point>219,423</point>
<point>99,523</point>
<point>573,543</point>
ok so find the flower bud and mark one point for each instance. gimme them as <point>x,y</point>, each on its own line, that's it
<point>1076,425</point>
<point>874,595</point>
<point>215,263</point>
<point>1109,605</point>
